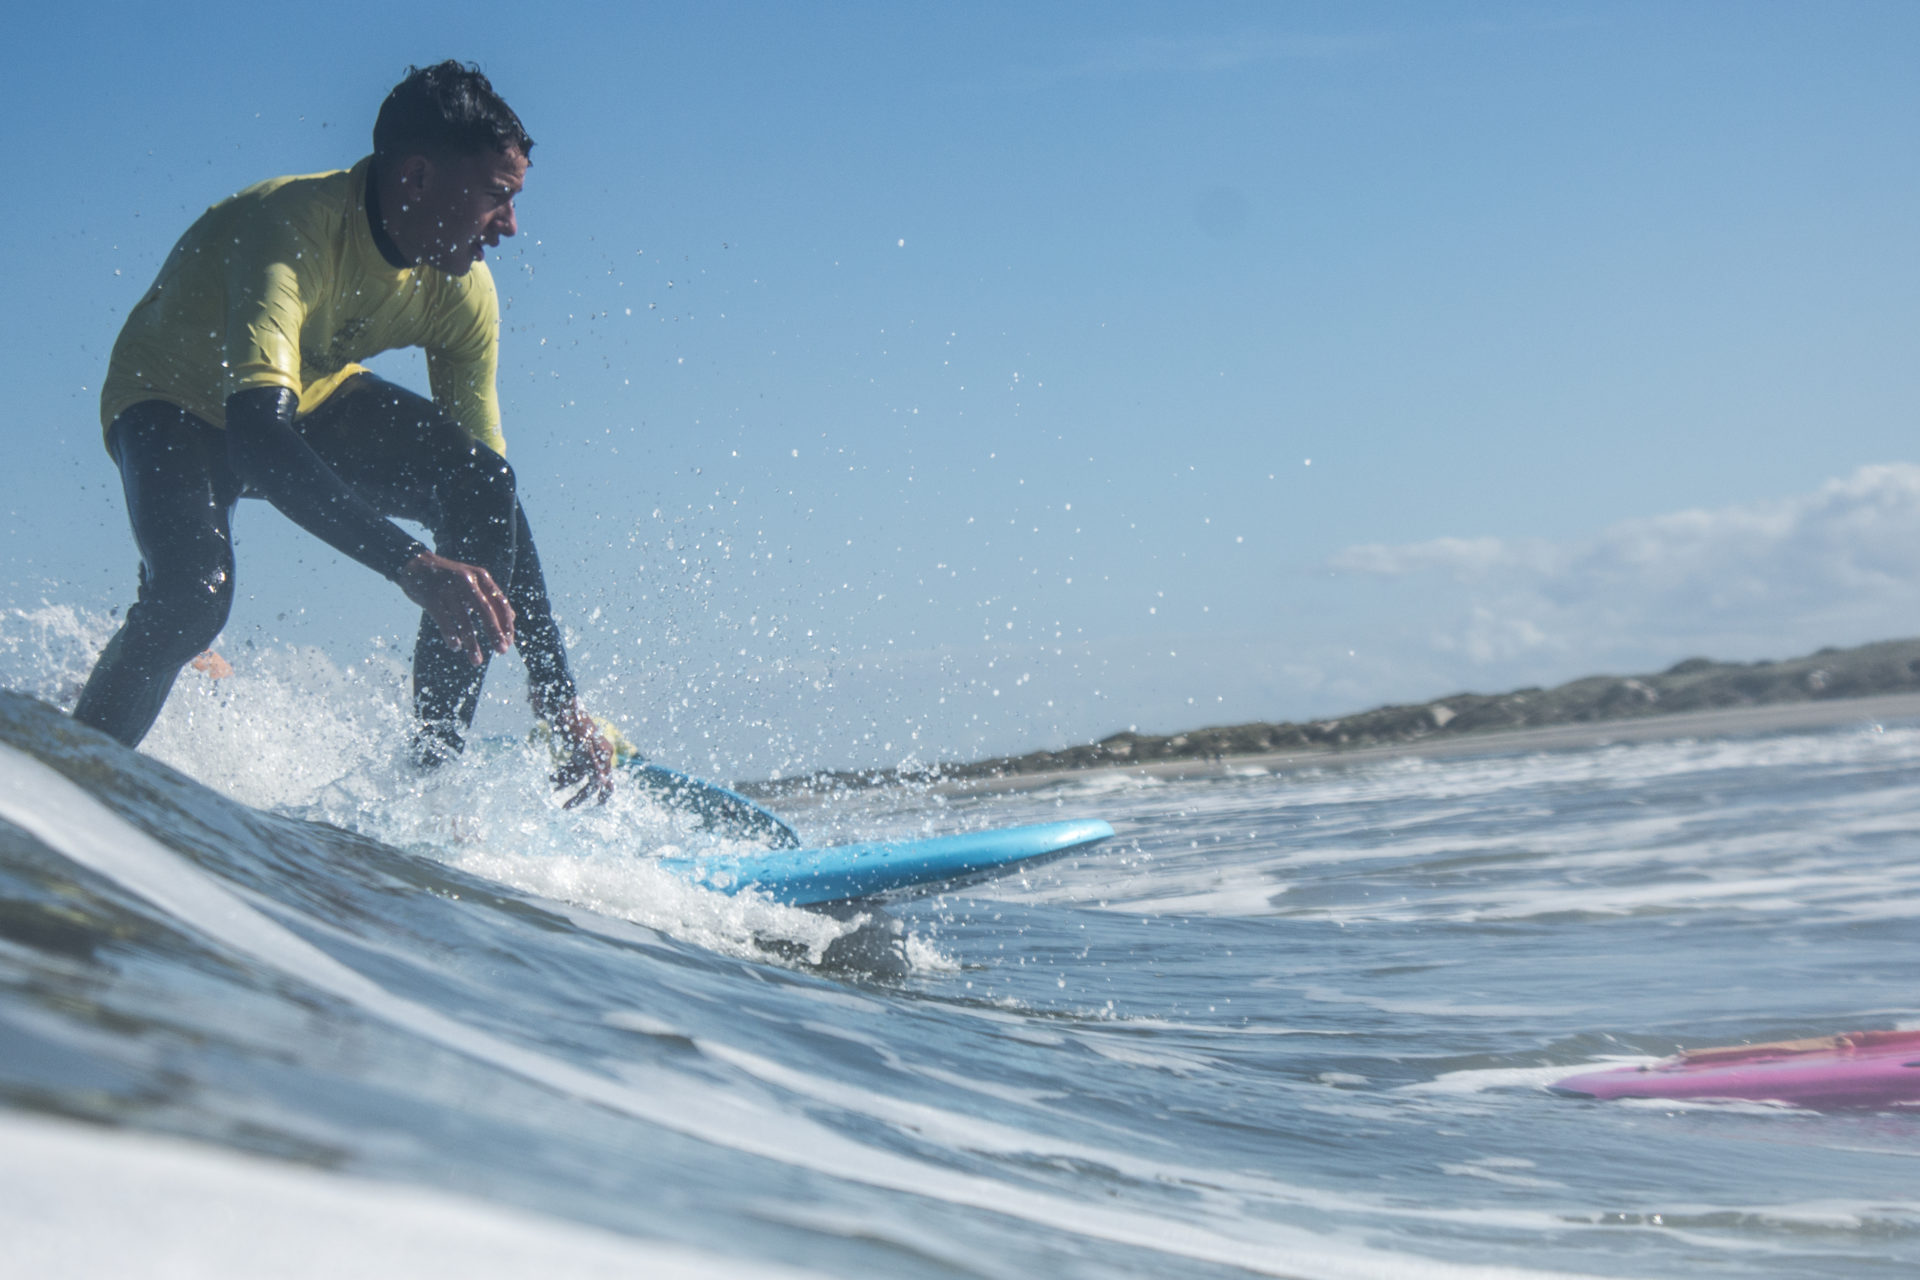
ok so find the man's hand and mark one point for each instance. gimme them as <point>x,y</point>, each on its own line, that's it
<point>463,600</point>
<point>588,754</point>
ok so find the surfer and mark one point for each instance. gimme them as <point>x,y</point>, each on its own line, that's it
<point>236,375</point>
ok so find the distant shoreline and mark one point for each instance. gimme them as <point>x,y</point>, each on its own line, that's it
<point>1698,697</point>
<point>1731,722</point>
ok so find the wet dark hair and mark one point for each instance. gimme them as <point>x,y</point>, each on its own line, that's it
<point>446,109</point>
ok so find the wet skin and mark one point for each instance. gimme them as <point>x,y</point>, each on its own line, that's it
<point>447,212</point>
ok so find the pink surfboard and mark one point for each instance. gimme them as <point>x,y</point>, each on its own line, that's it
<point>1854,1069</point>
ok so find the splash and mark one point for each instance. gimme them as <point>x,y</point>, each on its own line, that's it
<point>291,731</point>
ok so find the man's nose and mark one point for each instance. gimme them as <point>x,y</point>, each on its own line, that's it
<point>507,224</point>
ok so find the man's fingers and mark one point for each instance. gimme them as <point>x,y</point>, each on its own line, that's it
<point>598,784</point>
<point>594,790</point>
<point>458,634</point>
<point>590,759</point>
<point>471,610</point>
<point>598,788</point>
<point>456,627</point>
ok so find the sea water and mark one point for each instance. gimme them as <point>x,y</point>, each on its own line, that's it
<point>262,1020</point>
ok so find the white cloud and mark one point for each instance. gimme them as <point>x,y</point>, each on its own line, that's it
<point>1836,566</point>
<point>1465,558</point>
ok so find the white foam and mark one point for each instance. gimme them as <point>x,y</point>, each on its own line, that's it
<point>1237,1194</point>
<point>1154,1058</point>
<point>1827,1215</point>
<point>1499,1169</point>
<point>644,1024</point>
<point>1505,851</point>
<point>1134,1023</point>
<point>972,1084</point>
<point>78,1203</point>
<point>1735,1106</point>
<point>1468,1083</point>
<point>639,890</point>
<point>1103,782</point>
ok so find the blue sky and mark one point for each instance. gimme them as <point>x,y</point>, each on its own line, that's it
<point>892,380</point>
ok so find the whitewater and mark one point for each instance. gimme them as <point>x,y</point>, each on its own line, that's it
<point>279,1006</point>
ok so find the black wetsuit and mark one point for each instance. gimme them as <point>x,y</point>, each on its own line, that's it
<point>370,451</point>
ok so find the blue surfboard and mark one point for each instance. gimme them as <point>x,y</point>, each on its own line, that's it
<point>837,873</point>
<point>831,873</point>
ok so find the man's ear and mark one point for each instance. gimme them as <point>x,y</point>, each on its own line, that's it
<point>416,175</point>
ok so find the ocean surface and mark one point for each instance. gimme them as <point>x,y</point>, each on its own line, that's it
<point>289,1009</point>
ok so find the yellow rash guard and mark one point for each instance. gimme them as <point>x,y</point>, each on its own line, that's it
<point>283,286</point>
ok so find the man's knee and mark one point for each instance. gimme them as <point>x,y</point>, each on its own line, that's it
<point>488,496</point>
<point>494,475</point>
<point>182,614</point>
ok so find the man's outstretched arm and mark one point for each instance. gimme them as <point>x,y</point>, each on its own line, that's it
<point>274,462</point>
<point>585,755</point>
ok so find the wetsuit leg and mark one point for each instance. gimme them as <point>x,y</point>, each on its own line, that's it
<point>180,495</point>
<point>407,458</point>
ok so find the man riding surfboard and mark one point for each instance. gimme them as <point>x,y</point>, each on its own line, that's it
<point>237,375</point>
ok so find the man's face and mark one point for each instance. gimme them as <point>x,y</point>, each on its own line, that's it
<point>464,206</point>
